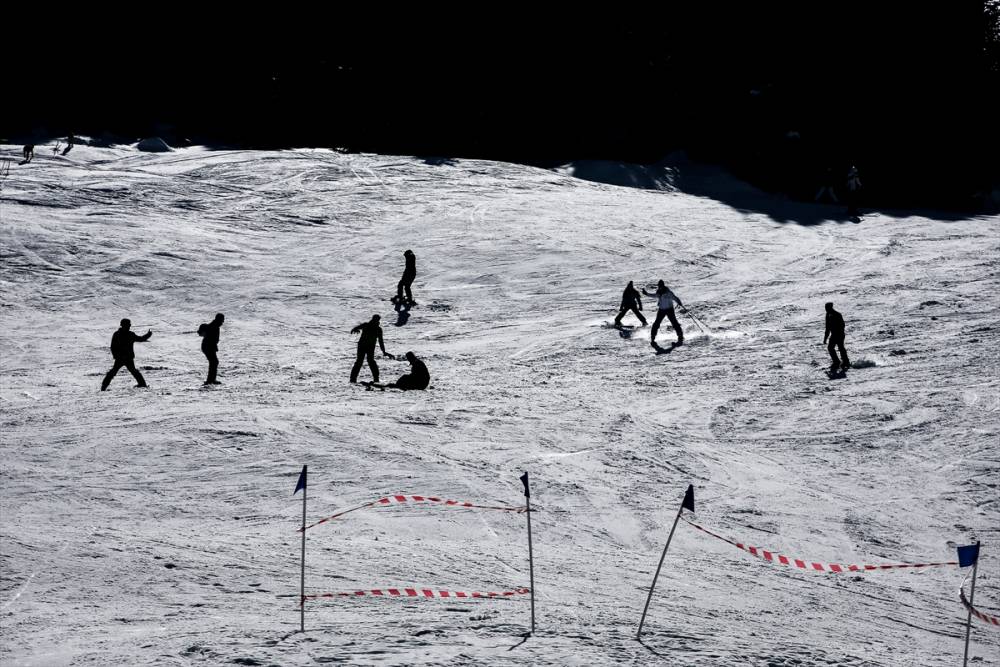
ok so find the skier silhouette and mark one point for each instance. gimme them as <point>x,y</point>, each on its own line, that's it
<point>665,300</point>
<point>371,333</point>
<point>835,332</point>
<point>121,350</point>
<point>418,377</point>
<point>409,273</point>
<point>630,301</point>
<point>210,345</point>
<point>70,142</point>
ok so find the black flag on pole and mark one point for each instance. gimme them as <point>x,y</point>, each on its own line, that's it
<point>302,481</point>
<point>524,480</point>
<point>688,503</point>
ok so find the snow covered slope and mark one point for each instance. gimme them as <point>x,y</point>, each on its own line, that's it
<point>158,526</point>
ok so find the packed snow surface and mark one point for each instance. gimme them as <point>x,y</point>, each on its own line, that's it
<point>158,526</point>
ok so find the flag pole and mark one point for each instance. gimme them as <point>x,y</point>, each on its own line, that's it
<point>531,557</point>
<point>972,596</point>
<point>689,503</point>
<point>302,484</point>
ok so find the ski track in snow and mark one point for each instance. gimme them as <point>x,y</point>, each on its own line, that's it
<point>158,527</point>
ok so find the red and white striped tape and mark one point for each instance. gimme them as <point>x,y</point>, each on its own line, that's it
<point>992,620</point>
<point>403,500</point>
<point>772,557</point>
<point>418,593</point>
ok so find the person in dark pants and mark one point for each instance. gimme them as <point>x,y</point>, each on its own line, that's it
<point>630,301</point>
<point>665,300</point>
<point>417,378</point>
<point>210,345</point>
<point>835,332</point>
<point>409,273</point>
<point>853,191</point>
<point>124,354</point>
<point>371,333</point>
<point>29,153</point>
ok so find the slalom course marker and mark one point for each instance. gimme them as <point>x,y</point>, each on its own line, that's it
<point>404,500</point>
<point>802,564</point>
<point>419,593</point>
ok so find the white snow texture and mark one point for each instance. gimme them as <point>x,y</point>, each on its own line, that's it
<point>159,527</point>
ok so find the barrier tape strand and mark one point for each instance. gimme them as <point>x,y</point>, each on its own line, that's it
<point>402,500</point>
<point>802,564</point>
<point>418,593</point>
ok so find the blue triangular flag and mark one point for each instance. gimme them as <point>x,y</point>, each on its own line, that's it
<point>688,503</point>
<point>302,481</point>
<point>968,555</point>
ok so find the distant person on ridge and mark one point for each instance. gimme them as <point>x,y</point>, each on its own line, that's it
<point>210,345</point>
<point>835,332</point>
<point>371,333</point>
<point>853,190</point>
<point>630,301</point>
<point>121,350</point>
<point>70,142</point>
<point>665,300</point>
<point>409,273</point>
<point>29,153</point>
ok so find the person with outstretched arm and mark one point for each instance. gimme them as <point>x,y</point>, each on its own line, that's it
<point>124,354</point>
<point>409,273</point>
<point>371,334</point>
<point>835,332</point>
<point>210,345</point>
<point>665,300</point>
<point>630,301</point>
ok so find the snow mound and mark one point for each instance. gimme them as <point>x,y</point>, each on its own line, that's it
<point>153,145</point>
<point>644,177</point>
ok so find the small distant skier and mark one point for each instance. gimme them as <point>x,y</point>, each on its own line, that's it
<point>210,345</point>
<point>409,273</point>
<point>835,332</point>
<point>70,142</point>
<point>665,300</point>
<point>29,153</point>
<point>630,301</point>
<point>417,379</point>
<point>827,187</point>
<point>853,190</point>
<point>371,333</point>
<point>121,350</point>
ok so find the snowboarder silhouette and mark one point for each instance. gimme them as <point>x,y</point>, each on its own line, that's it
<point>409,273</point>
<point>665,300</point>
<point>371,333</point>
<point>630,301</point>
<point>210,345</point>
<point>70,142</point>
<point>853,190</point>
<point>418,378</point>
<point>121,350</point>
<point>835,332</point>
<point>29,153</point>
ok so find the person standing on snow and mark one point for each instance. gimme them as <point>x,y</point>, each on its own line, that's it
<point>210,345</point>
<point>835,332</point>
<point>371,333</point>
<point>409,273</point>
<point>124,354</point>
<point>630,301</point>
<point>853,190</point>
<point>665,300</point>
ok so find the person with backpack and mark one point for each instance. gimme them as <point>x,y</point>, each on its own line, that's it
<point>210,345</point>
<point>665,300</point>
<point>371,334</point>
<point>124,354</point>
<point>630,301</point>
